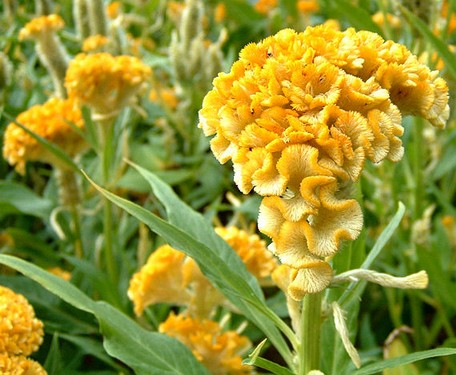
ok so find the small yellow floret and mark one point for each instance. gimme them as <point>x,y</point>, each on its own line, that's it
<point>220,352</point>
<point>40,25</point>
<point>21,333</point>
<point>104,82</point>
<point>19,365</point>
<point>49,120</point>
<point>94,42</point>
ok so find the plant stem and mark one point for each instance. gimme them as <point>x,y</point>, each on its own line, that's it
<point>107,133</point>
<point>418,158</point>
<point>309,355</point>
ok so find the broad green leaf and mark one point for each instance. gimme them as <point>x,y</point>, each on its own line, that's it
<point>147,353</point>
<point>403,360</point>
<point>441,47</point>
<point>193,235</point>
<point>16,198</point>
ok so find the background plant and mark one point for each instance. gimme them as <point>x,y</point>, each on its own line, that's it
<point>158,133</point>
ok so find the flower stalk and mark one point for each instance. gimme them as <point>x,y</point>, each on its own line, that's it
<point>309,353</point>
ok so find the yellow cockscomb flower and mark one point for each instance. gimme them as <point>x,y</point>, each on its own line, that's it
<point>381,19</point>
<point>251,249</point>
<point>94,43</point>
<point>220,352</point>
<point>44,24</point>
<point>51,121</point>
<point>21,333</point>
<point>19,365</point>
<point>113,9</point>
<point>161,279</point>
<point>104,82</point>
<point>299,114</point>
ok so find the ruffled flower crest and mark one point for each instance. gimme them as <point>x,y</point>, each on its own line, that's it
<point>298,115</point>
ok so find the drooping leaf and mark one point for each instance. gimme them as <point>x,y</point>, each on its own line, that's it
<point>192,234</point>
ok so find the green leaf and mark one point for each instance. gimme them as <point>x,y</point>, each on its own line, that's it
<point>403,360</point>
<point>441,47</point>
<point>145,352</point>
<point>16,198</point>
<point>192,234</point>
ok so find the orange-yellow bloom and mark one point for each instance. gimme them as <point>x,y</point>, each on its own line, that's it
<point>265,6</point>
<point>251,249</point>
<point>41,25</point>
<point>51,121</point>
<point>220,352</point>
<point>104,82</point>
<point>21,333</point>
<point>299,114</point>
<point>94,43</point>
<point>19,365</point>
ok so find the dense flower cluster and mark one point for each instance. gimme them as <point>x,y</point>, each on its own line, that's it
<point>104,82</point>
<point>19,365</point>
<point>21,333</point>
<point>220,352</point>
<point>169,276</point>
<point>44,24</point>
<point>299,114</point>
<point>51,121</point>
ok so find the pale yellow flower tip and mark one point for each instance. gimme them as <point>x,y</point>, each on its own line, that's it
<point>220,352</point>
<point>104,82</point>
<point>251,249</point>
<point>21,333</point>
<point>19,365</point>
<point>50,121</point>
<point>41,25</point>
<point>296,283</point>
<point>161,279</point>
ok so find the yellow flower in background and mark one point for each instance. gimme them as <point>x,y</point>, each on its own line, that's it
<point>94,43</point>
<point>380,19</point>
<point>298,115</point>
<point>251,249</point>
<point>307,6</point>
<point>160,280</point>
<point>265,6</point>
<point>104,82</point>
<point>19,365</point>
<point>41,25</point>
<point>113,9</point>
<point>21,333</point>
<point>51,121</point>
<point>164,95</point>
<point>220,352</point>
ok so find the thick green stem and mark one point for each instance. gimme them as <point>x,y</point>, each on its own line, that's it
<point>309,355</point>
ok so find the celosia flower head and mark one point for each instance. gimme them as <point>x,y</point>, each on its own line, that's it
<point>299,114</point>
<point>50,121</point>
<point>104,82</point>
<point>21,333</point>
<point>220,352</point>
<point>41,25</point>
<point>19,365</point>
